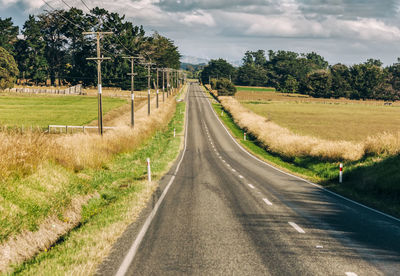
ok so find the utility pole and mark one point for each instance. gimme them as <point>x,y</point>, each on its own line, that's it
<point>99,59</point>
<point>163,84</point>
<point>157,84</point>
<point>132,74</point>
<point>148,64</point>
<point>167,73</point>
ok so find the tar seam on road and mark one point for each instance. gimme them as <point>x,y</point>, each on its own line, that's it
<point>135,246</point>
<point>297,177</point>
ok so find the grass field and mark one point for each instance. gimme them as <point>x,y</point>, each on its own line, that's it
<point>40,111</point>
<point>331,119</point>
<point>255,89</point>
<point>372,180</point>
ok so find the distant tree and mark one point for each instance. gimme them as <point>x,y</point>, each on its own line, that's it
<point>8,34</point>
<point>8,69</point>
<point>318,61</point>
<point>224,86</point>
<point>290,85</point>
<point>367,78</point>
<point>31,52</point>
<point>319,84</point>
<point>341,81</point>
<point>252,75</point>
<point>218,68</point>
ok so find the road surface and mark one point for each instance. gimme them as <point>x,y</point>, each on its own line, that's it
<point>226,213</point>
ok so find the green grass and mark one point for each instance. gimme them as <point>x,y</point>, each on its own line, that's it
<point>41,111</point>
<point>258,89</point>
<point>372,181</point>
<point>340,121</point>
<point>121,184</point>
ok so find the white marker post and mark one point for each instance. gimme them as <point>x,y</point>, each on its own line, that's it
<point>222,113</point>
<point>340,173</point>
<point>174,133</point>
<point>148,170</point>
<point>244,136</point>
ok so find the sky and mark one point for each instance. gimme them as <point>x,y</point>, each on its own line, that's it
<point>345,31</point>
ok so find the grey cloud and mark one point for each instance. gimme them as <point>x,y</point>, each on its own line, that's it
<point>349,9</point>
<point>190,5</point>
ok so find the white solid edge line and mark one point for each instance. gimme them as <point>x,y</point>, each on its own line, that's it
<point>351,274</point>
<point>298,228</point>
<point>297,177</point>
<point>267,201</point>
<point>135,246</point>
<point>251,186</point>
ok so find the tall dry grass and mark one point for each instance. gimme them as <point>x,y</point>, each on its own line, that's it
<point>21,153</point>
<point>284,142</point>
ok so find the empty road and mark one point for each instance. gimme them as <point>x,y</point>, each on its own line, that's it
<point>227,213</point>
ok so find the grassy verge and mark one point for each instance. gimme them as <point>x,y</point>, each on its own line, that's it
<point>41,111</point>
<point>372,181</point>
<point>122,192</point>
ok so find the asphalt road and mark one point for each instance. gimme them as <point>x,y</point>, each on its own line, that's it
<point>226,213</point>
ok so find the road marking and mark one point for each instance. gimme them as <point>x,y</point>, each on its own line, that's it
<point>233,170</point>
<point>351,274</point>
<point>241,176</point>
<point>139,238</point>
<point>268,202</point>
<point>251,186</point>
<point>223,161</point>
<point>298,228</point>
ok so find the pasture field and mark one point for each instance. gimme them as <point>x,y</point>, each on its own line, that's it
<point>331,119</point>
<point>255,89</point>
<point>40,111</point>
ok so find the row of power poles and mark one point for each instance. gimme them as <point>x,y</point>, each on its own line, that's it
<point>170,80</point>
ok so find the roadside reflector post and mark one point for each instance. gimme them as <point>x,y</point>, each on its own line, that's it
<point>148,170</point>
<point>340,173</point>
<point>174,133</point>
<point>244,136</point>
<point>222,113</point>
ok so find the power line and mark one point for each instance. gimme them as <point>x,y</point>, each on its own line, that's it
<point>64,16</point>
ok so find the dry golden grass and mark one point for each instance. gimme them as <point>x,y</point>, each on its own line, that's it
<point>20,154</point>
<point>299,98</point>
<point>282,141</point>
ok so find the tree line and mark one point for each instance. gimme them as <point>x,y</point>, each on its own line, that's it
<point>310,74</point>
<point>51,47</point>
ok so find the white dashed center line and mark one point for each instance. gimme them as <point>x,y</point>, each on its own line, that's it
<point>351,274</point>
<point>298,228</point>
<point>233,170</point>
<point>241,176</point>
<point>251,186</point>
<point>268,202</point>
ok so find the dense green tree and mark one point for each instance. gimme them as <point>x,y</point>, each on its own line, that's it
<point>367,78</point>
<point>8,34</point>
<point>252,75</point>
<point>224,86</point>
<point>319,84</point>
<point>31,52</point>
<point>217,68</point>
<point>341,81</point>
<point>8,69</point>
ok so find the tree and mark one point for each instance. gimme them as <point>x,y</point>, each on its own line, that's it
<point>8,34</point>
<point>218,68</point>
<point>319,84</point>
<point>366,80</point>
<point>31,52</point>
<point>8,69</point>
<point>341,81</point>
<point>290,85</point>
<point>224,86</point>
<point>252,75</point>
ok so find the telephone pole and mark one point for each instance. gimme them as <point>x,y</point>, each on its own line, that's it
<point>148,64</point>
<point>163,84</point>
<point>132,74</point>
<point>99,60</point>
